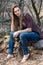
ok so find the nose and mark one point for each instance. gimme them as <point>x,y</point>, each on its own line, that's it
<point>17,12</point>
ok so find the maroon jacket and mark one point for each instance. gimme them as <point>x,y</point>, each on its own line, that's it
<point>29,22</point>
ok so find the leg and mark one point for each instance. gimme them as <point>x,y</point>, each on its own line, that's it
<point>28,36</point>
<point>11,43</point>
<point>24,37</point>
<point>11,46</point>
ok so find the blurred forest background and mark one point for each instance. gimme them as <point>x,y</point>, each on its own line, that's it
<point>33,7</point>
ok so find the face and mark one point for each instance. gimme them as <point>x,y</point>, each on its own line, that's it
<point>17,11</point>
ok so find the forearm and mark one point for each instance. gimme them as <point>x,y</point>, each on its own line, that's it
<point>22,31</point>
<point>25,30</point>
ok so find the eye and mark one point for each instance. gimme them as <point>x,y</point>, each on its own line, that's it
<point>18,10</point>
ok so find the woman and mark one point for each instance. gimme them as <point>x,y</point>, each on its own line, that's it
<point>30,33</point>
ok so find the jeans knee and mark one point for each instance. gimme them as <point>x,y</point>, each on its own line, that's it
<point>21,36</point>
<point>11,33</point>
<point>11,37</point>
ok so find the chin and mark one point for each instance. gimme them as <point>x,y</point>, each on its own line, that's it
<point>18,15</point>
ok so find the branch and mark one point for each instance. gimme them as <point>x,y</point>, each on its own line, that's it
<point>21,4</point>
<point>40,6</point>
<point>5,4</point>
<point>9,15</point>
<point>5,20</point>
<point>30,10</point>
<point>35,10</point>
<point>41,17</point>
<point>33,4</point>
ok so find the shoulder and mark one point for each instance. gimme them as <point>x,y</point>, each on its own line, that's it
<point>27,16</point>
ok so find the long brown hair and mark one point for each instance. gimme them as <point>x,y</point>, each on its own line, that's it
<point>16,20</point>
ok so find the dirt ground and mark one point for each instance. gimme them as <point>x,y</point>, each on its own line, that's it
<point>35,59</point>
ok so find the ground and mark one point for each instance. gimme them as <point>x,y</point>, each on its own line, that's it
<point>35,59</point>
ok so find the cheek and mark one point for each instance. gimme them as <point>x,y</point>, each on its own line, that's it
<point>15,13</point>
<point>19,11</point>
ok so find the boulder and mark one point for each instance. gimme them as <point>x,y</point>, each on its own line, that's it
<point>39,44</point>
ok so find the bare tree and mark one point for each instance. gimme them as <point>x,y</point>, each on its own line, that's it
<point>2,8</point>
<point>36,12</point>
<point>35,7</point>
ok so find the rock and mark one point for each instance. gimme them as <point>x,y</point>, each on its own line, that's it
<point>4,45</point>
<point>39,44</point>
<point>6,39</point>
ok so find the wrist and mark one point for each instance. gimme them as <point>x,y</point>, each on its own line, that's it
<point>19,31</point>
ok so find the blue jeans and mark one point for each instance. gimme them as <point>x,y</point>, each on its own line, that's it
<point>24,38</point>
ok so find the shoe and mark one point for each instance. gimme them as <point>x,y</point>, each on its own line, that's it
<point>25,57</point>
<point>8,57</point>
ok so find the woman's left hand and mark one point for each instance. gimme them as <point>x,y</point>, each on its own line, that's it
<point>16,34</point>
